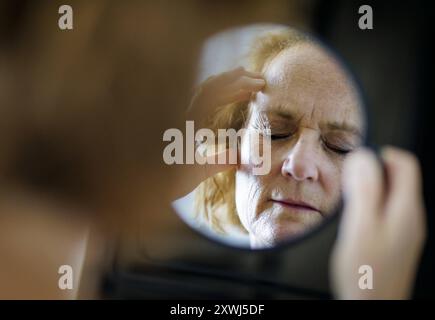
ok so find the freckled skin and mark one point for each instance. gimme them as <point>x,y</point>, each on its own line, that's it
<point>310,84</point>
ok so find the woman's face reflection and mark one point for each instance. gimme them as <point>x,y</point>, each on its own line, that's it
<point>314,115</point>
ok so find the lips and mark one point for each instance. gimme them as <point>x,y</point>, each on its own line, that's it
<point>298,205</point>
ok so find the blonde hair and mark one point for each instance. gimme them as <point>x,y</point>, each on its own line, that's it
<point>215,197</point>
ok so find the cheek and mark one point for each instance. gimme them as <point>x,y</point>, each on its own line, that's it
<point>250,149</point>
<point>331,177</point>
<point>250,193</point>
<point>244,153</point>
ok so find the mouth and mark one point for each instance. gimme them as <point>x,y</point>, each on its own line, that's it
<point>296,205</point>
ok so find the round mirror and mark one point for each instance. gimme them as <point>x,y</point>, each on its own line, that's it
<point>276,113</point>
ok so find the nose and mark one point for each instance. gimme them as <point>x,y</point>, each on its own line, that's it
<point>301,162</point>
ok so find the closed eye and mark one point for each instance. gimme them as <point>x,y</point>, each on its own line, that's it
<point>280,136</point>
<point>340,150</point>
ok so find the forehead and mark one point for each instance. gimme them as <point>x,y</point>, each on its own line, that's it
<point>310,83</point>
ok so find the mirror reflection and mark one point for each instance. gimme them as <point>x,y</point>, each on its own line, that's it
<point>295,93</point>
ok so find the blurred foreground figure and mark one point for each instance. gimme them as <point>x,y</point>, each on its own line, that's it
<point>82,117</point>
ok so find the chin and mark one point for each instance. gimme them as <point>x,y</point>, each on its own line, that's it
<point>268,235</point>
<point>287,231</point>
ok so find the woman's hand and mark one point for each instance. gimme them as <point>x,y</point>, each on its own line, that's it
<point>236,85</point>
<point>233,86</point>
<point>383,226</point>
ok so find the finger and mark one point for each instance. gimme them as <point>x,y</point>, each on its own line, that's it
<point>362,190</point>
<point>252,74</point>
<point>404,204</point>
<point>239,96</point>
<point>229,88</point>
<point>239,72</point>
<point>249,84</point>
<point>242,89</point>
<point>231,75</point>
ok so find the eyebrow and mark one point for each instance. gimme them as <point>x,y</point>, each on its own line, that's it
<point>343,126</point>
<point>283,113</point>
<point>332,126</point>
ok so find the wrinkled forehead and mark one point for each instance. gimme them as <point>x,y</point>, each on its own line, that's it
<point>306,79</point>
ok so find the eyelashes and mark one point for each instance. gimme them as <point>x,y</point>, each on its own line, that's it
<point>280,136</point>
<point>262,124</point>
<point>328,146</point>
<point>336,149</point>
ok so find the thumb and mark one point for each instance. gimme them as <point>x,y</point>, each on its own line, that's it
<point>362,191</point>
